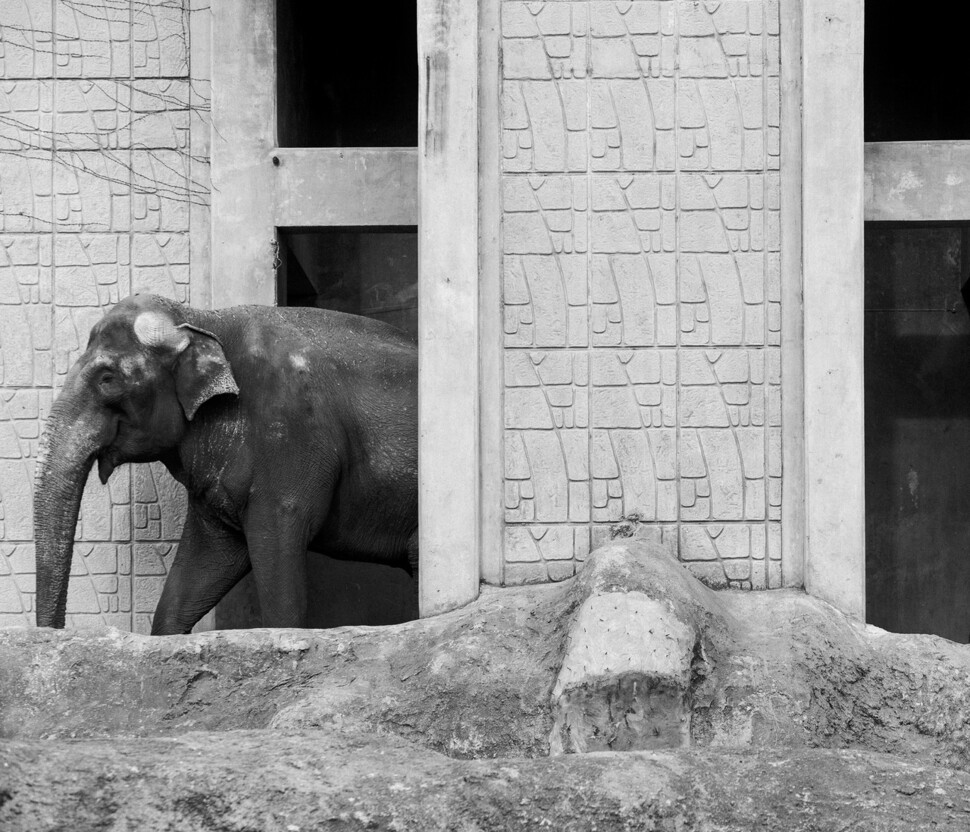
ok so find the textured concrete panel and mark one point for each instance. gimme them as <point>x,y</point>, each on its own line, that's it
<point>26,41</point>
<point>25,188</point>
<point>92,39</point>
<point>103,191</point>
<point>92,115</point>
<point>26,115</point>
<point>641,232</point>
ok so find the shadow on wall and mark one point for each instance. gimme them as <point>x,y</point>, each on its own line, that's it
<point>341,593</point>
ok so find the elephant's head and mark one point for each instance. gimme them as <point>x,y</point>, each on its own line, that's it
<point>129,398</point>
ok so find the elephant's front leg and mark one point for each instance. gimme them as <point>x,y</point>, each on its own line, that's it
<point>277,535</point>
<point>211,560</point>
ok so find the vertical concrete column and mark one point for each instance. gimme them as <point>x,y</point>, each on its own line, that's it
<point>449,458</point>
<point>243,136</point>
<point>792,327</point>
<point>832,245</point>
<point>491,313</point>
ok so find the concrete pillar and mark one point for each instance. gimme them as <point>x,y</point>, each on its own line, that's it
<point>832,246</point>
<point>449,458</point>
<point>244,118</point>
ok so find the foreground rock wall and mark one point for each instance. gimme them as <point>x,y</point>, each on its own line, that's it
<point>704,691</point>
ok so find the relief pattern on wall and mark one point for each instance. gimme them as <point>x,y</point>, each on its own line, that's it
<point>641,274</point>
<point>103,169</point>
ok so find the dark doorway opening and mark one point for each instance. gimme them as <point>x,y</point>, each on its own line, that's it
<point>371,271</point>
<point>347,78</point>
<point>917,423</point>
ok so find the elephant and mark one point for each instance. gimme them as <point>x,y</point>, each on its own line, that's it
<point>290,429</point>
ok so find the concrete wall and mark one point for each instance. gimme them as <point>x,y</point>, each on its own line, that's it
<point>103,192</point>
<point>640,264</point>
<point>640,197</point>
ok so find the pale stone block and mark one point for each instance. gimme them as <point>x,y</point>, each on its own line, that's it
<point>518,21</point>
<point>94,45</point>
<point>160,503</point>
<point>549,119</point>
<point>25,341</point>
<point>635,472</point>
<point>703,231</point>
<point>536,554</point>
<point>550,296</point>
<point>555,459</point>
<point>693,20</point>
<point>26,115</point>
<point>29,52</point>
<point>554,222</point>
<point>630,118</point>
<point>702,57</point>
<point>153,559</point>
<point>98,520</point>
<point>160,39</point>
<point>93,115</point>
<point>160,112</point>
<point>147,591</point>
<point>92,190</point>
<point>721,542</point>
<point>524,58</point>
<point>622,636</point>
<point>625,214</point>
<point>163,190</point>
<point>630,288</point>
<point>25,191</point>
<point>90,270</point>
<point>619,19</point>
<point>161,265</point>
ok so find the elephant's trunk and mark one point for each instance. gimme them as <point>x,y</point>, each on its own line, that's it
<point>67,452</point>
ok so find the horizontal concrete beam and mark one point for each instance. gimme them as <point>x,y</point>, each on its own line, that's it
<point>345,186</point>
<point>917,181</point>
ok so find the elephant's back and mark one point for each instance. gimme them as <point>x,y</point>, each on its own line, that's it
<point>328,366</point>
<point>351,343</point>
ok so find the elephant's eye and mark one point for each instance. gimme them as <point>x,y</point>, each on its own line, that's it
<point>108,384</point>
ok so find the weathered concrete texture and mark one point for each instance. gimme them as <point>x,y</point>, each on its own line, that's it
<point>738,706</point>
<point>832,264</point>
<point>641,215</point>
<point>917,181</point>
<point>244,781</point>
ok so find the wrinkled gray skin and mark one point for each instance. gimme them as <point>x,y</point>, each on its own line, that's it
<point>290,429</point>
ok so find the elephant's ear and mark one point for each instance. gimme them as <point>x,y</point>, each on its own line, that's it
<point>201,371</point>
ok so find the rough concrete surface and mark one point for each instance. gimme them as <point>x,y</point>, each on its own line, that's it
<point>631,697</point>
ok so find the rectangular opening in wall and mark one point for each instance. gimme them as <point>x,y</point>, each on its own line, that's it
<point>347,78</point>
<point>907,104</point>
<point>917,424</point>
<point>371,271</point>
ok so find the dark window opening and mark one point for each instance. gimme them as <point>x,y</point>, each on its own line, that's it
<point>913,95</point>
<point>349,80</point>
<point>371,271</point>
<point>917,424</point>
